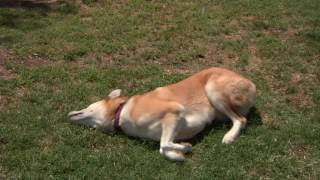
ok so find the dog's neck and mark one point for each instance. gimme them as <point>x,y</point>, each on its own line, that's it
<point>116,123</point>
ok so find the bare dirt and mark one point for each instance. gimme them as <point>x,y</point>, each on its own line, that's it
<point>254,59</point>
<point>34,61</point>
<point>4,72</point>
<point>7,57</point>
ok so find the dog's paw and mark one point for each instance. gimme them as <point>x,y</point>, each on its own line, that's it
<point>227,139</point>
<point>188,147</point>
<point>173,155</point>
<point>161,151</point>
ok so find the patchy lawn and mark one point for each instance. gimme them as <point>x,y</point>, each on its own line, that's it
<point>57,59</point>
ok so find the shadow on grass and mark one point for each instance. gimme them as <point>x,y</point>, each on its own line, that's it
<point>24,17</point>
<point>26,4</point>
<point>28,15</point>
<point>45,6</point>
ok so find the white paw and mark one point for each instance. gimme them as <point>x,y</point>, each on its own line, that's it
<point>187,147</point>
<point>174,156</point>
<point>227,139</point>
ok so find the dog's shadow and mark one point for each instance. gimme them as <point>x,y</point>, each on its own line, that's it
<point>253,120</point>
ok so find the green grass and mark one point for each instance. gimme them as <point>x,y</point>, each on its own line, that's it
<point>63,59</point>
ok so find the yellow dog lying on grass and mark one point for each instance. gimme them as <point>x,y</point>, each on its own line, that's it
<point>175,112</point>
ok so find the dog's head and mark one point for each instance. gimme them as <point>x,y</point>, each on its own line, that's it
<point>100,114</point>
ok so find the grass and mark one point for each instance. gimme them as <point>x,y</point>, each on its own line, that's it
<point>52,62</point>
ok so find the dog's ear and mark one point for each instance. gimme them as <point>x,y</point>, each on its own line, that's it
<point>115,93</point>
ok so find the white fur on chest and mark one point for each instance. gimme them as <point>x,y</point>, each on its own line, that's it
<point>192,123</point>
<point>150,130</point>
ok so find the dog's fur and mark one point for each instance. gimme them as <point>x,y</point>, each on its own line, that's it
<point>178,111</point>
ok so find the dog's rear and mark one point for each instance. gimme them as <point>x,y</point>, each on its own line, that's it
<point>233,96</point>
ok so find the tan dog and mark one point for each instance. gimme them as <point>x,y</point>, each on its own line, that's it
<point>175,112</point>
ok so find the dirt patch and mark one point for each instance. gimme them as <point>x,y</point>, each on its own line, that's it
<point>101,58</point>
<point>20,92</point>
<point>248,18</point>
<point>30,61</point>
<point>300,99</point>
<point>236,36</point>
<point>34,61</point>
<point>176,70</point>
<point>290,33</point>
<point>214,57</point>
<point>5,73</point>
<point>294,89</point>
<point>4,54</point>
<point>86,12</point>
<point>46,143</point>
<point>230,58</point>
<point>259,171</point>
<point>11,102</point>
<point>2,173</point>
<point>6,103</point>
<point>296,78</point>
<point>254,59</point>
<point>138,83</point>
<point>269,121</point>
<point>233,37</point>
<point>283,35</point>
<point>299,151</point>
<point>106,59</point>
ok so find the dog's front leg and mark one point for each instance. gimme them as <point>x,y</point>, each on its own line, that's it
<point>171,150</point>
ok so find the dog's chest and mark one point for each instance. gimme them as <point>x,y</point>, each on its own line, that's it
<point>151,129</point>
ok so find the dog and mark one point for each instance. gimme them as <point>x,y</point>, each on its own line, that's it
<point>175,112</point>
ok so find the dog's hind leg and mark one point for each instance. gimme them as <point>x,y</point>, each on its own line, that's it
<point>238,121</point>
<point>234,100</point>
<point>171,150</point>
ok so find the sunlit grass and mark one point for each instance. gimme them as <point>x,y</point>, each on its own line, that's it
<point>66,58</point>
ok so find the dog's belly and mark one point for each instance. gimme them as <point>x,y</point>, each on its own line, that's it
<point>150,131</point>
<point>194,123</point>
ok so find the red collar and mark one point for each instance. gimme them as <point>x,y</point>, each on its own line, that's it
<point>116,123</point>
